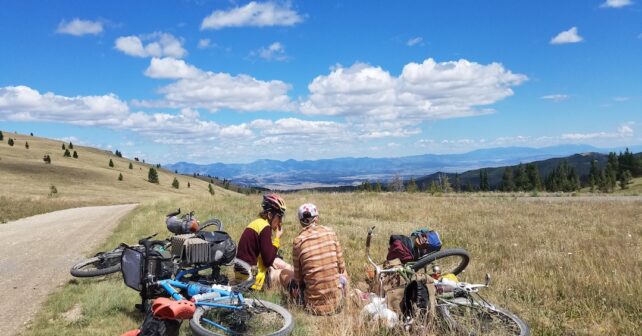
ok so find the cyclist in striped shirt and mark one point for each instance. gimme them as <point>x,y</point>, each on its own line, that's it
<point>319,278</point>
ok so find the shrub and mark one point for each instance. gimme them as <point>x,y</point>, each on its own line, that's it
<point>152,176</point>
<point>46,159</point>
<point>67,154</point>
<point>1,136</point>
<point>53,191</point>
<point>64,147</point>
<point>131,166</point>
<point>210,188</point>
<point>10,142</point>
<point>75,155</point>
<point>175,183</point>
<point>71,146</point>
<point>189,185</point>
<point>120,176</point>
<point>111,163</point>
<point>27,144</point>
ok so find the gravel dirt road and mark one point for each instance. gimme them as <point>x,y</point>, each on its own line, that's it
<point>36,254</point>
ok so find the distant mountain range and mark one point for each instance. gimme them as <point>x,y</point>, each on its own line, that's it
<point>293,174</point>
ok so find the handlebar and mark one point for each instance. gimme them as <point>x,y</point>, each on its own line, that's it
<point>174,213</point>
<point>210,222</point>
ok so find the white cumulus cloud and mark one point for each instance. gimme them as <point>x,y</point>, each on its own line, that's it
<point>22,103</point>
<point>273,52</point>
<point>568,36</point>
<point>204,43</point>
<point>616,3</point>
<point>152,45</point>
<point>254,14</point>
<point>170,68</point>
<point>427,90</point>
<point>624,131</point>
<point>78,27</point>
<point>414,41</point>
<point>558,97</point>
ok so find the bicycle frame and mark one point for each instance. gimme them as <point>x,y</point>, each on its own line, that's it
<point>205,295</point>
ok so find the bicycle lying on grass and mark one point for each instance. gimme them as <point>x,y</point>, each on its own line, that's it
<point>459,306</point>
<point>214,307</point>
<point>108,262</point>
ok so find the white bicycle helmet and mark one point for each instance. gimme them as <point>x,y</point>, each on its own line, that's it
<point>307,213</point>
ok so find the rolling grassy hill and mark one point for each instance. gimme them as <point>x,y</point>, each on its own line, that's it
<point>88,180</point>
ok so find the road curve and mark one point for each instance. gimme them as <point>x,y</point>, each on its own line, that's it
<point>37,252</point>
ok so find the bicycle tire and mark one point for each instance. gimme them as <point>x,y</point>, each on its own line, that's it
<point>466,317</point>
<point>286,329</point>
<point>454,252</point>
<point>95,266</point>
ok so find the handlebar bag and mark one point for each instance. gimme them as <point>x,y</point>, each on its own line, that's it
<point>221,246</point>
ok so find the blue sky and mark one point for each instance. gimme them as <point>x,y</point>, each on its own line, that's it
<point>231,81</point>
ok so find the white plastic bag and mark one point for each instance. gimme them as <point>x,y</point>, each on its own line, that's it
<point>377,309</point>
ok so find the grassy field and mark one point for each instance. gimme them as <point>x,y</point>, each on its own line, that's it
<point>88,180</point>
<point>567,266</point>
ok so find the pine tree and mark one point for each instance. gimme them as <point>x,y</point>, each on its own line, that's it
<point>46,159</point>
<point>10,142</point>
<point>522,182</point>
<point>71,146</point>
<point>534,180</point>
<point>111,163</point>
<point>433,188</point>
<point>152,176</point>
<point>457,183</point>
<point>118,153</point>
<point>483,180</point>
<point>131,166</point>
<point>210,188</point>
<point>63,146</point>
<point>175,183</point>
<point>412,186</point>
<point>377,187</point>
<point>1,136</point>
<point>507,180</point>
<point>75,155</point>
<point>625,180</point>
<point>67,154</point>
<point>189,185</point>
<point>120,176</point>
<point>594,175</point>
<point>27,144</point>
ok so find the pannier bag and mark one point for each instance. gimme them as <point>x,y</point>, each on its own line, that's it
<point>160,266</point>
<point>204,248</point>
<point>131,265</point>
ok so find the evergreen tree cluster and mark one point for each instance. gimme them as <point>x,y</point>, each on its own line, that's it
<point>563,178</point>
<point>118,153</point>
<point>622,168</point>
<point>523,178</point>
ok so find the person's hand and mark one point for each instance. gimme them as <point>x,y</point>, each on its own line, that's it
<point>279,231</point>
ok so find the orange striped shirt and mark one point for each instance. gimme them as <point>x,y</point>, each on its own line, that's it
<point>318,260</point>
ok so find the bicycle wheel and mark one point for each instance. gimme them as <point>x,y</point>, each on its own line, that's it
<point>466,317</point>
<point>449,260</point>
<point>101,264</point>
<point>256,318</point>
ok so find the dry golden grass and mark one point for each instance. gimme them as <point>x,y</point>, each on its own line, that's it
<point>567,266</point>
<point>88,180</point>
